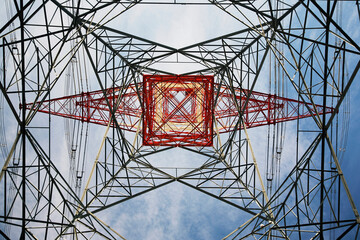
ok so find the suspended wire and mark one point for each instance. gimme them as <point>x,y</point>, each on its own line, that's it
<point>345,126</point>
<point>11,188</point>
<point>269,158</point>
<point>269,174</point>
<point>77,135</point>
<point>3,142</point>
<point>281,127</point>
<point>276,132</point>
<point>340,129</point>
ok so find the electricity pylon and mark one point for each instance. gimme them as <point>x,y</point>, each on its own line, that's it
<point>69,59</point>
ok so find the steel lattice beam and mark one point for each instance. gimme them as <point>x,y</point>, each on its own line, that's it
<point>302,47</point>
<point>175,121</point>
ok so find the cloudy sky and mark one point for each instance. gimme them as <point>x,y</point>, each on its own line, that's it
<point>176,211</point>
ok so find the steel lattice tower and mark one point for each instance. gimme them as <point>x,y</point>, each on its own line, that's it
<point>124,100</point>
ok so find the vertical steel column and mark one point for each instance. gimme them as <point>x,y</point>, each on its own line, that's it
<point>23,118</point>
<point>323,133</point>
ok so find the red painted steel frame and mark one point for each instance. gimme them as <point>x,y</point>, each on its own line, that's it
<point>93,107</point>
<point>261,109</point>
<point>178,110</point>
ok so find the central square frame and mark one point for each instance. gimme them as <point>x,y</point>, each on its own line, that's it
<point>178,110</point>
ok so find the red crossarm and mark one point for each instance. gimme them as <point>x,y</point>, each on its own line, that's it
<point>96,107</point>
<point>261,109</point>
<point>178,110</point>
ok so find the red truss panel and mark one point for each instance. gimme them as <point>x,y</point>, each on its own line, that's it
<point>261,109</point>
<point>93,107</point>
<point>178,110</point>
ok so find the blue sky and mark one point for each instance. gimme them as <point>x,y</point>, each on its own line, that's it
<point>351,161</point>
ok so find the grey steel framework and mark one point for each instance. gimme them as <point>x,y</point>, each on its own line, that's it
<point>301,48</point>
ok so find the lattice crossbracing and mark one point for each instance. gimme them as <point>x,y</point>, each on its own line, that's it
<point>179,110</point>
<point>129,103</point>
